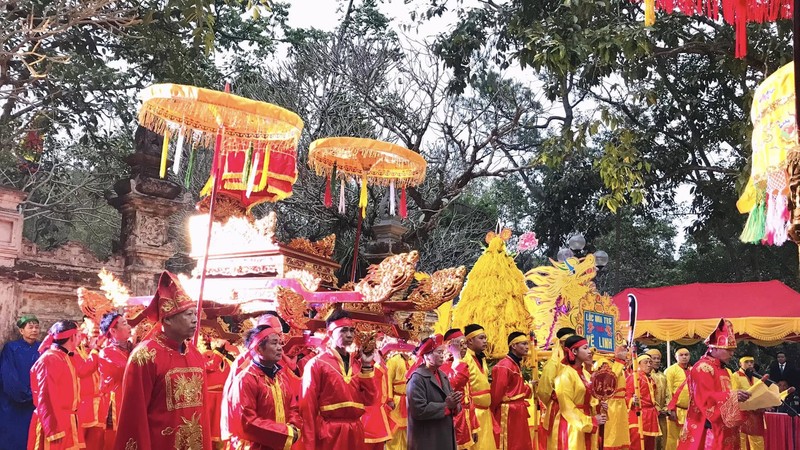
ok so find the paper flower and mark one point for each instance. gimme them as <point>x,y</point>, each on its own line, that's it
<point>527,241</point>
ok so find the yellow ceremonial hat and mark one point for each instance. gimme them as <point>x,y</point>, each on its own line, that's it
<point>745,359</point>
<point>653,352</point>
<point>642,357</point>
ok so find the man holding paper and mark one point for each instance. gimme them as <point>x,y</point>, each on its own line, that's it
<point>752,437</point>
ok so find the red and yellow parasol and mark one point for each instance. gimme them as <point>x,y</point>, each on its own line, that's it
<point>255,144</point>
<point>370,161</point>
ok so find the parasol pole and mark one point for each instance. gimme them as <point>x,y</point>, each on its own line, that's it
<point>355,249</point>
<point>632,314</point>
<point>215,182</point>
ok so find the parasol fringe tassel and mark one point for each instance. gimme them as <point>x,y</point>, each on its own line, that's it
<point>251,180</point>
<point>264,170</point>
<point>649,12</point>
<point>328,200</point>
<point>187,179</point>
<point>362,199</point>
<point>207,187</point>
<point>403,204</point>
<point>754,228</point>
<point>342,206</point>
<point>176,165</point>
<point>393,201</point>
<point>248,163</point>
<point>162,170</point>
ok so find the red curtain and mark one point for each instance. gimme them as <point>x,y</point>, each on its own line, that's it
<point>781,430</point>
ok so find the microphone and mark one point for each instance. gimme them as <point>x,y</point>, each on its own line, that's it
<point>764,378</point>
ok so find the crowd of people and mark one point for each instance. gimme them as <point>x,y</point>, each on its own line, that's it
<point>70,392</point>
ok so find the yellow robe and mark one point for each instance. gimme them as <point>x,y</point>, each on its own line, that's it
<point>747,442</point>
<point>572,410</point>
<point>481,398</point>
<point>661,400</point>
<point>545,391</point>
<point>396,368</point>
<point>675,377</point>
<point>616,435</point>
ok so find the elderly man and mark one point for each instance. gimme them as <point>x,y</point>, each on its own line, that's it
<point>431,402</point>
<point>713,419</point>
<point>661,400</point>
<point>16,401</point>
<point>678,396</point>
<point>336,386</point>
<point>164,387</point>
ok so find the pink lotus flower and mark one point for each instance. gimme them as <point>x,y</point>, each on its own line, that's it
<point>527,241</point>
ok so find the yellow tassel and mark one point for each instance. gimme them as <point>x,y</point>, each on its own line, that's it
<point>444,315</point>
<point>493,296</point>
<point>362,199</point>
<point>207,188</point>
<point>649,12</point>
<point>162,171</point>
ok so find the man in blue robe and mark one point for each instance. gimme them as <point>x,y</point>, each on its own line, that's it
<point>16,401</point>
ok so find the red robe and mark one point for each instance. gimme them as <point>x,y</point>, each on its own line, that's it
<point>378,427</point>
<point>259,409</point>
<point>239,365</point>
<point>649,412</point>
<point>332,402</point>
<point>711,398</point>
<point>217,370</point>
<point>111,367</point>
<point>509,409</point>
<point>164,397</point>
<point>465,422</point>
<point>56,394</point>
<point>86,368</point>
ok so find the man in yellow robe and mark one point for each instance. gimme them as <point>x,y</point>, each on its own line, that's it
<point>616,435</point>
<point>396,368</point>
<point>479,385</point>
<point>661,399</point>
<point>678,395</point>
<point>545,391</point>
<point>752,437</point>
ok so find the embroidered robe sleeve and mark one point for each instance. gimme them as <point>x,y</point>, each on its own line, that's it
<point>718,405</point>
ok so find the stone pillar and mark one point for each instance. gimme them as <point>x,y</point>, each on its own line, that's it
<point>10,250</point>
<point>146,203</point>
<point>388,240</point>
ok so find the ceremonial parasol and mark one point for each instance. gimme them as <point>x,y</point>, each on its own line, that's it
<point>770,194</point>
<point>370,161</point>
<point>254,144</point>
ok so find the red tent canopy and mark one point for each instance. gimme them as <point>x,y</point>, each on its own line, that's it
<point>767,312</point>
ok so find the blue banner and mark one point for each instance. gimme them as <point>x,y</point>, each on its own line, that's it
<point>599,330</point>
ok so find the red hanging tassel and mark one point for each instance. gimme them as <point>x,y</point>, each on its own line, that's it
<point>403,207</point>
<point>328,197</point>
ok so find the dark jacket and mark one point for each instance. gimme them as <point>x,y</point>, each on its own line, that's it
<point>790,374</point>
<point>428,426</point>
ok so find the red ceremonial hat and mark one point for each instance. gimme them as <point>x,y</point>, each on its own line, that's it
<point>723,336</point>
<point>170,299</point>
<point>426,347</point>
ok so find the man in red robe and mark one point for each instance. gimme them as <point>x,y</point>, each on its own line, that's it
<point>713,418</point>
<point>56,392</point>
<point>85,359</point>
<point>262,412</point>
<point>378,427</point>
<point>217,370</point>
<point>164,388</point>
<point>116,331</point>
<point>465,421</point>
<point>509,392</point>
<point>643,407</point>
<point>336,386</point>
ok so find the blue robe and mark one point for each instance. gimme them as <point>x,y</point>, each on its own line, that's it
<point>16,402</point>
